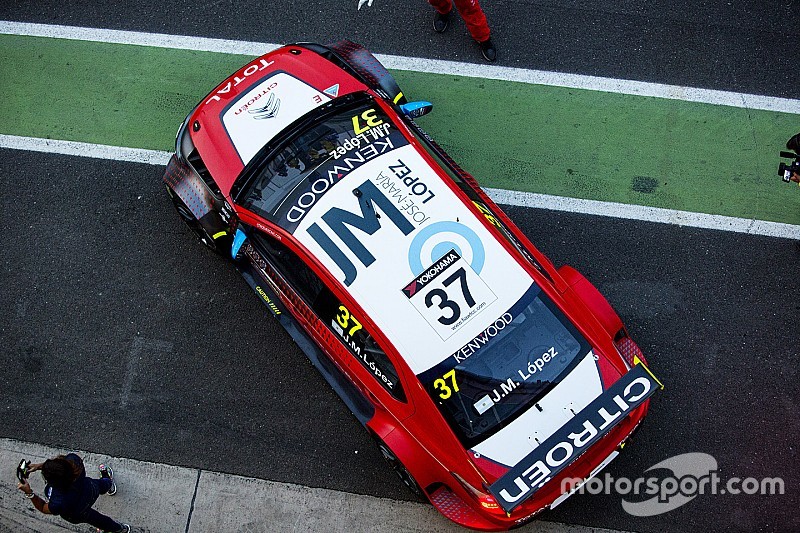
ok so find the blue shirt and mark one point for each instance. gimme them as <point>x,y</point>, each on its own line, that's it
<point>75,500</point>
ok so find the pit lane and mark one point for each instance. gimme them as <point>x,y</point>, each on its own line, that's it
<point>123,336</point>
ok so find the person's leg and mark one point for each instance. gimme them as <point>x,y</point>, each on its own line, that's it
<point>474,18</point>
<point>104,484</point>
<point>107,475</point>
<point>442,6</point>
<point>102,521</point>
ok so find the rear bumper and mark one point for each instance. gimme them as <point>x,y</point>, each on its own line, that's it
<point>465,511</point>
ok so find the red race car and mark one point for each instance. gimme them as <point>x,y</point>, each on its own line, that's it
<point>485,375</point>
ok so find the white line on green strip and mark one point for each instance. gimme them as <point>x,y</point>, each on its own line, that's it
<point>523,199</point>
<point>416,64</point>
<point>97,151</point>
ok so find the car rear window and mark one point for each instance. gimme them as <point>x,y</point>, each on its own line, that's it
<point>504,370</point>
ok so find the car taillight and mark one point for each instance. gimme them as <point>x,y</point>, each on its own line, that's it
<point>486,501</point>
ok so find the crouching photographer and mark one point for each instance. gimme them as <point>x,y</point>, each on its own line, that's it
<point>791,172</point>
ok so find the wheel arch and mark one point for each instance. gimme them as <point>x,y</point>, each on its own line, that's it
<point>362,65</point>
<point>182,181</point>
<point>416,459</point>
<point>593,299</point>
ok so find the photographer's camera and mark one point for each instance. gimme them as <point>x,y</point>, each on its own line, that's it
<point>791,172</point>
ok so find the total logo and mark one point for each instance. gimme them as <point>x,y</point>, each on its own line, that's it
<point>258,66</point>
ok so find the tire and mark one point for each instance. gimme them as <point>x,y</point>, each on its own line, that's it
<point>401,471</point>
<point>188,217</point>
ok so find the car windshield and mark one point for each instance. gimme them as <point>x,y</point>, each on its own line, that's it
<point>503,371</point>
<point>311,162</point>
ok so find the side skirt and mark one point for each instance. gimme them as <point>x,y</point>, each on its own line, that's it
<point>355,400</point>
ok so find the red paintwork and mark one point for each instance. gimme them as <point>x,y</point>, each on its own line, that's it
<point>415,430</point>
<point>212,140</point>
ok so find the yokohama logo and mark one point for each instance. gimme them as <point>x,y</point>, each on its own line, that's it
<point>429,275</point>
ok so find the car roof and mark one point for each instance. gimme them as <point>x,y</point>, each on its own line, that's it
<point>247,110</point>
<point>412,251</point>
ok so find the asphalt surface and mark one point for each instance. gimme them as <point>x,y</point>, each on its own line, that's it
<point>746,46</point>
<point>124,336</point>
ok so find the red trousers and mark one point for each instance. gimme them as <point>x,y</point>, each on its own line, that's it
<point>472,14</point>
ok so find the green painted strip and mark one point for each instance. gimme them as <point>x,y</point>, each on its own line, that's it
<point>568,142</point>
<point>119,95</point>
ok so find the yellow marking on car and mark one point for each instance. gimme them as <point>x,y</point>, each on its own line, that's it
<point>637,361</point>
<point>219,234</point>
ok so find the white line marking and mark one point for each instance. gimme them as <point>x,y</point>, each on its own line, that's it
<point>160,40</point>
<point>645,213</point>
<point>502,196</point>
<point>98,151</point>
<point>416,64</point>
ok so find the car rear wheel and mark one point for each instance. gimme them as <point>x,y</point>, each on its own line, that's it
<point>188,217</point>
<point>401,471</point>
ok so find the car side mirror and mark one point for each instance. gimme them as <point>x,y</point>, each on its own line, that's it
<point>238,240</point>
<point>416,109</point>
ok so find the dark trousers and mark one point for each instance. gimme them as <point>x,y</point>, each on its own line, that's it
<point>92,517</point>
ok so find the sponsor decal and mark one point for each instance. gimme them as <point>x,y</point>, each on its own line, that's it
<point>342,222</point>
<point>332,91</point>
<point>480,340</point>
<point>407,191</point>
<point>269,110</point>
<point>539,363</point>
<point>257,66</point>
<point>256,97</point>
<point>437,238</point>
<point>414,185</point>
<point>269,231</point>
<point>263,110</point>
<point>510,384</point>
<point>448,294</point>
<point>356,142</point>
<point>404,200</point>
<point>368,119</point>
<point>431,273</point>
<point>358,150</point>
<point>347,325</point>
<point>574,438</point>
<point>349,328</point>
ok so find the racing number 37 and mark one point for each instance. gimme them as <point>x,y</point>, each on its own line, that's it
<point>369,120</point>
<point>445,302</point>
<point>441,385</point>
<point>345,319</point>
